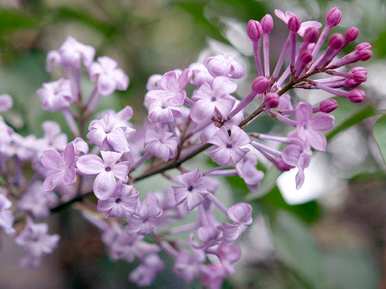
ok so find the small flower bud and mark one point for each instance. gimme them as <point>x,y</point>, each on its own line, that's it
<point>294,23</point>
<point>333,17</point>
<point>328,105</point>
<point>356,95</point>
<point>267,23</point>
<point>5,102</point>
<point>311,35</point>
<point>240,213</point>
<point>272,100</point>
<point>337,41</point>
<point>351,34</point>
<point>260,84</point>
<point>253,30</point>
<point>359,74</point>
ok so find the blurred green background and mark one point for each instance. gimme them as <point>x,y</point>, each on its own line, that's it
<point>332,236</point>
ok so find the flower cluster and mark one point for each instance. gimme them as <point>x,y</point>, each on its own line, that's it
<point>189,111</point>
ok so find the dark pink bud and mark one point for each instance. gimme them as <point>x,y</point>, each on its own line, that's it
<point>363,46</point>
<point>359,74</point>
<point>328,105</point>
<point>253,29</point>
<point>267,23</point>
<point>365,55</point>
<point>351,34</point>
<point>261,84</point>
<point>356,95</point>
<point>271,100</point>
<point>333,17</point>
<point>305,57</point>
<point>311,35</point>
<point>337,41</point>
<point>294,23</point>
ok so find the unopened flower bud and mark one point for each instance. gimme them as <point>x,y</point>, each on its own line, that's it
<point>253,30</point>
<point>356,95</point>
<point>351,34</point>
<point>359,74</point>
<point>328,105</point>
<point>267,23</point>
<point>333,17</point>
<point>337,41</point>
<point>260,84</point>
<point>311,35</point>
<point>240,213</point>
<point>294,23</point>
<point>272,100</point>
<point>5,102</point>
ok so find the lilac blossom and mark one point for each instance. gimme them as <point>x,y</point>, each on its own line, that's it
<point>108,76</point>
<point>36,242</point>
<point>112,130</point>
<point>122,202</point>
<point>189,111</point>
<point>60,167</point>
<point>213,96</point>
<point>56,95</point>
<point>108,170</point>
<point>228,145</point>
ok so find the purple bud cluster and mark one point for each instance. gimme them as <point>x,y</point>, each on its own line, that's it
<point>189,111</point>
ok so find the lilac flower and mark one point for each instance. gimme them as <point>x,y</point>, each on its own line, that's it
<point>310,126</point>
<point>228,145</point>
<point>191,189</point>
<point>107,76</point>
<point>5,102</point>
<point>145,273</point>
<point>165,102</point>
<point>37,200</point>
<point>122,202</point>
<point>56,95</point>
<point>124,245</point>
<point>108,170</point>
<point>147,216</point>
<point>112,130</point>
<point>6,216</point>
<point>199,74</point>
<point>187,265</point>
<point>206,237</point>
<point>60,167</point>
<point>213,96</point>
<point>36,241</point>
<point>297,154</point>
<point>224,65</point>
<point>241,213</point>
<point>71,55</point>
<point>160,143</point>
<point>246,169</point>
<point>213,275</point>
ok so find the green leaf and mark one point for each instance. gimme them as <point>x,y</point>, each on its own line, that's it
<point>196,9</point>
<point>348,120</point>
<point>83,17</point>
<point>380,135</point>
<point>12,19</point>
<point>297,249</point>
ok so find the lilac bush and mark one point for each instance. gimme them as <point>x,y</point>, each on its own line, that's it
<point>190,111</point>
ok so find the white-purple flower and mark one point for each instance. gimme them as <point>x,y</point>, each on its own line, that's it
<point>213,96</point>
<point>122,202</point>
<point>228,145</point>
<point>6,216</point>
<point>108,76</point>
<point>108,171</point>
<point>56,95</point>
<point>60,167</point>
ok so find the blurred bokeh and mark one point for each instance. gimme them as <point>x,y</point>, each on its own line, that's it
<point>329,235</point>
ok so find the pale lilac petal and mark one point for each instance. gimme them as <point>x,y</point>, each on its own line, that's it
<point>316,139</point>
<point>52,159</point>
<point>90,164</point>
<point>322,121</point>
<point>104,185</point>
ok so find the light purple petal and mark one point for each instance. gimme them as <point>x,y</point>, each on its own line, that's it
<point>90,164</point>
<point>104,185</point>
